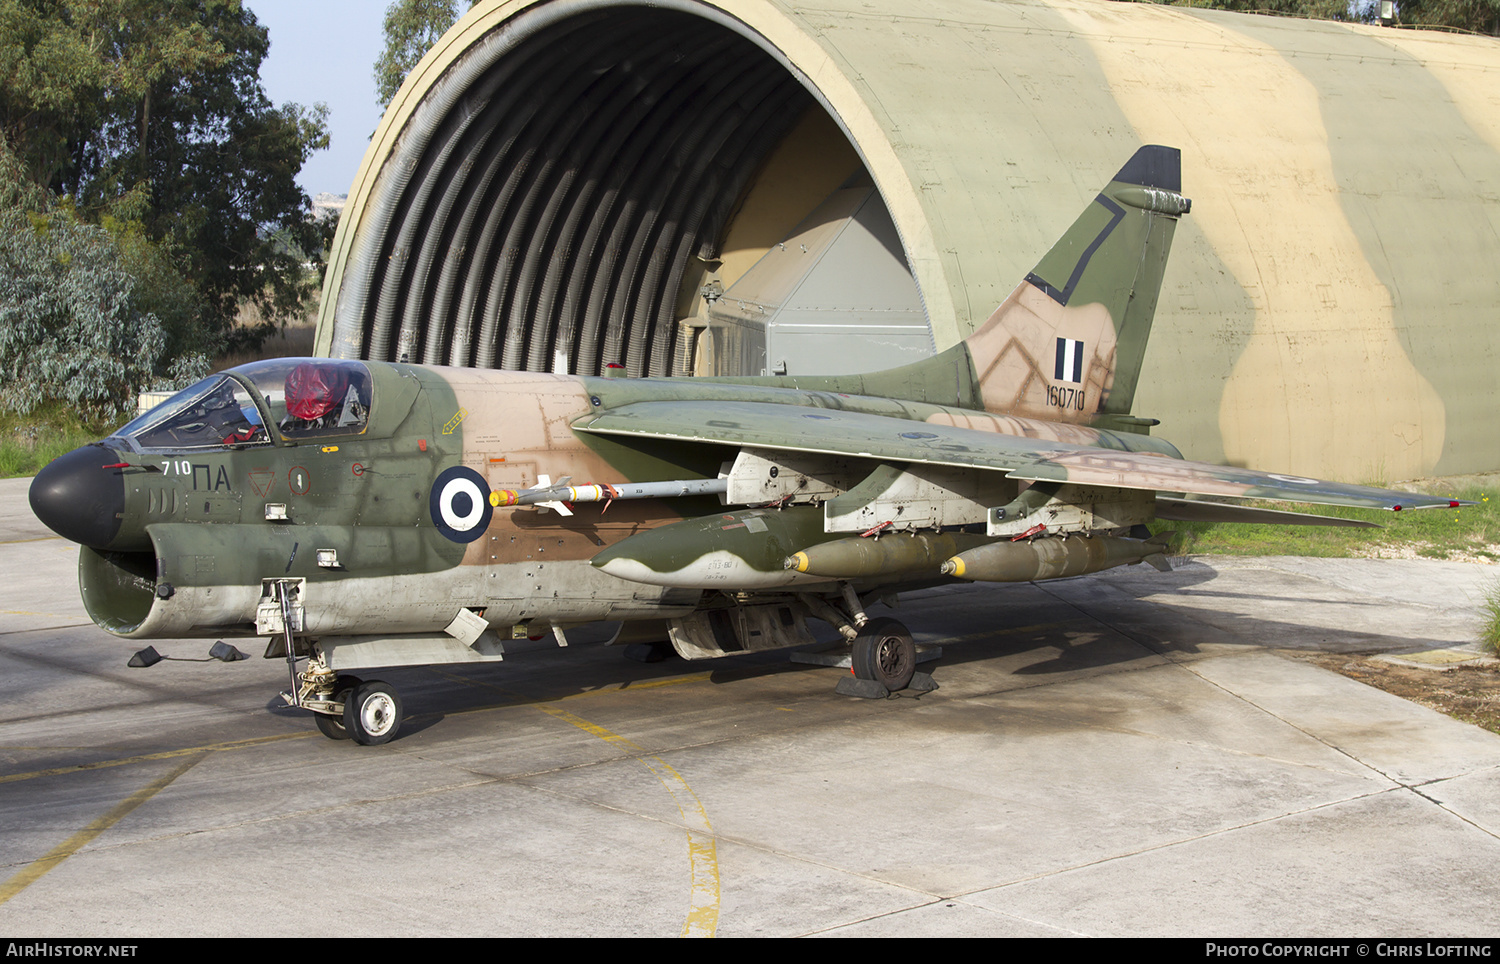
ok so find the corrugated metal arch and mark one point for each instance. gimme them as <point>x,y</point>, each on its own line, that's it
<point>545,179</point>
<point>552,175</point>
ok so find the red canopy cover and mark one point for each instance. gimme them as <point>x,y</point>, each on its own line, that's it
<point>313,391</point>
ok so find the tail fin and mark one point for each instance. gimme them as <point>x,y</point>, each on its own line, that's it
<point>1067,344</point>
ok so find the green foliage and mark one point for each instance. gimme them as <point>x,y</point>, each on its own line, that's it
<point>1479,16</point>
<point>1489,611</point>
<point>31,441</point>
<point>150,116</point>
<point>71,325</point>
<point>1309,9</point>
<point>1476,16</point>
<point>89,314</point>
<point>71,68</point>
<point>411,28</point>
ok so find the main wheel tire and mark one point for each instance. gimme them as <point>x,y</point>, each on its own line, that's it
<point>372,713</point>
<point>883,652</point>
<point>333,726</point>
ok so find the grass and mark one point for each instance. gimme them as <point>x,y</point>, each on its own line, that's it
<point>1489,633</point>
<point>28,442</point>
<point>1470,533</point>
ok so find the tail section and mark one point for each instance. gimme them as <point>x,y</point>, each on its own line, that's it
<point>1067,344</point>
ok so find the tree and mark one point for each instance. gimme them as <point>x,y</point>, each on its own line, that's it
<point>152,111</point>
<point>204,161</point>
<point>144,122</point>
<point>1309,9</point>
<point>70,68</point>
<point>1479,16</point>
<point>411,28</point>
<point>1475,16</point>
<point>72,327</point>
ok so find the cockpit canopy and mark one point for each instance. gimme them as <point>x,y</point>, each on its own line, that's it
<point>301,398</point>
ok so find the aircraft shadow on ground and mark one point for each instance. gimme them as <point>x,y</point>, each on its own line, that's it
<point>1069,626</point>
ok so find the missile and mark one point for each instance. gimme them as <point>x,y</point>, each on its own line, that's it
<point>894,554</point>
<point>553,495</point>
<point>745,549</point>
<point>1050,558</point>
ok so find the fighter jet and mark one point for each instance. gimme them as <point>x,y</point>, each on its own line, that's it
<point>366,515</point>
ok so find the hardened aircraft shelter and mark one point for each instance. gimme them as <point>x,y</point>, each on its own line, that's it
<point>692,187</point>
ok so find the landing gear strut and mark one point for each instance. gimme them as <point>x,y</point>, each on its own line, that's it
<point>344,707</point>
<point>882,656</point>
<point>347,707</point>
<point>331,725</point>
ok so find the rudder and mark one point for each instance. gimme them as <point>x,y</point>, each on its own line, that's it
<point>1068,343</point>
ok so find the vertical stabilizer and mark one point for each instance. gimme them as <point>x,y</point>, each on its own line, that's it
<point>1067,344</point>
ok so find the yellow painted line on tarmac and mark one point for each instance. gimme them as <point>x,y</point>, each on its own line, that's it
<point>515,700</point>
<point>703,850</point>
<point>651,684</point>
<point>33,871</point>
<point>703,911</point>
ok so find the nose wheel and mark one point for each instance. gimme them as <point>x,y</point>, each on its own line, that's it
<point>348,708</point>
<point>372,713</point>
<point>331,725</point>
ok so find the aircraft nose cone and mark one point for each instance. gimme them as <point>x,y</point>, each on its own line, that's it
<point>79,499</point>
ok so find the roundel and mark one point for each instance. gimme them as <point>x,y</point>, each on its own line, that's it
<point>460,504</point>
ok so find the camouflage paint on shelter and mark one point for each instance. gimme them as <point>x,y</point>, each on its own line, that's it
<point>1327,310</point>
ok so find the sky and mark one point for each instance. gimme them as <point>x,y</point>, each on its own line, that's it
<point>325,50</point>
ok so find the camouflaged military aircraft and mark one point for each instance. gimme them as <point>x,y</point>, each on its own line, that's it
<point>372,515</point>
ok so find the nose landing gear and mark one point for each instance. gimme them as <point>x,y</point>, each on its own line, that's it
<point>372,713</point>
<point>347,707</point>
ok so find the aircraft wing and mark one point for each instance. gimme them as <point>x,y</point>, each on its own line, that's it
<point>836,432</point>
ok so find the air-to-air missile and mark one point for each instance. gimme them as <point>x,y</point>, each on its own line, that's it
<point>367,514</point>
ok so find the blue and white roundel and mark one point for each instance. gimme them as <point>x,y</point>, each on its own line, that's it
<point>460,504</point>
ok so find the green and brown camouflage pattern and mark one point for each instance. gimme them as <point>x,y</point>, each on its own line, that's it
<point>408,542</point>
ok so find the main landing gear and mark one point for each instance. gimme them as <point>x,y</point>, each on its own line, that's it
<point>884,653</point>
<point>882,656</point>
<point>883,660</point>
